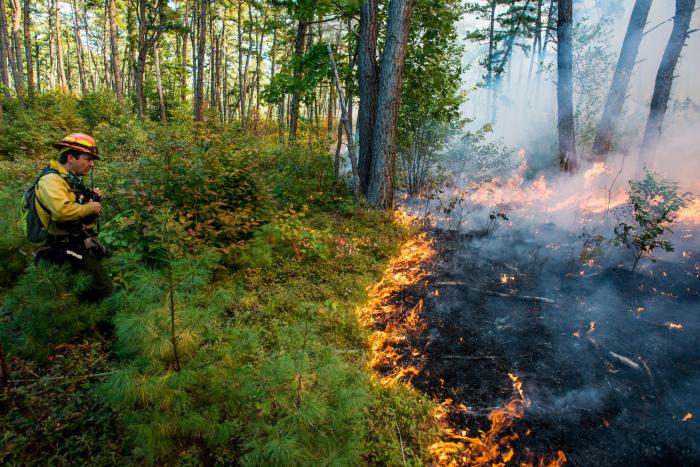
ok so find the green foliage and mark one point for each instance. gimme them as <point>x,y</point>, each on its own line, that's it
<point>431,94</point>
<point>43,310</point>
<point>14,246</point>
<point>654,202</point>
<point>314,67</point>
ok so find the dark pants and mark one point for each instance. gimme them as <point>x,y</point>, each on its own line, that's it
<point>80,259</point>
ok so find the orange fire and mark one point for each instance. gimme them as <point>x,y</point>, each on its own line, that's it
<point>591,327</point>
<point>492,447</point>
<point>671,325</point>
<point>687,417</point>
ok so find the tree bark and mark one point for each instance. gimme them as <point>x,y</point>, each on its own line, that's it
<point>108,78</point>
<point>78,47</point>
<point>380,191</point>
<point>4,51</point>
<point>369,87</point>
<point>346,123</point>
<point>183,56</point>
<point>621,78</point>
<point>159,85</point>
<point>664,80</point>
<point>28,48</point>
<point>59,47</point>
<point>241,74</point>
<point>114,42</point>
<point>17,48</point>
<point>565,103</point>
<point>201,48</point>
<point>298,53</point>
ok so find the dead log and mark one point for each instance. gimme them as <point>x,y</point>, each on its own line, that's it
<point>497,294</point>
<point>624,360</point>
<point>605,353</point>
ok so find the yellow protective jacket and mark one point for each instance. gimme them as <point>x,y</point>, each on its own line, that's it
<point>55,193</point>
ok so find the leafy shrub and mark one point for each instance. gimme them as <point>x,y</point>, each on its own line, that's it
<point>100,107</point>
<point>654,202</point>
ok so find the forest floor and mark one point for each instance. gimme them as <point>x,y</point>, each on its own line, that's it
<point>608,360</point>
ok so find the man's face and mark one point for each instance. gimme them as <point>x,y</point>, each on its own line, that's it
<point>82,165</point>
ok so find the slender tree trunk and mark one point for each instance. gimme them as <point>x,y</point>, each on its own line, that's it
<point>664,81</point>
<point>273,53</point>
<point>37,63</point>
<point>621,78</point>
<point>114,42</point>
<point>565,103</point>
<point>108,77</point>
<point>346,123</point>
<point>59,46</point>
<point>241,75</point>
<point>141,59</point>
<point>258,60</point>
<point>380,191</point>
<point>369,87</point>
<point>17,48</point>
<point>201,49</point>
<point>298,53</point>
<point>4,51</point>
<point>246,68</point>
<point>28,48</point>
<point>183,56</point>
<point>159,85</point>
<point>78,46</point>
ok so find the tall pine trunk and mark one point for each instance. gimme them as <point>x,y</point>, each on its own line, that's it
<point>4,51</point>
<point>114,43</point>
<point>380,190</point>
<point>28,48</point>
<point>565,101</point>
<point>298,53</point>
<point>159,85</point>
<point>201,49</point>
<point>78,47</point>
<point>664,80</point>
<point>621,78</point>
<point>241,74</point>
<point>61,72</point>
<point>369,88</point>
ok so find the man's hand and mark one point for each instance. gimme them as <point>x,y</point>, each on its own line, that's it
<point>98,191</point>
<point>96,207</point>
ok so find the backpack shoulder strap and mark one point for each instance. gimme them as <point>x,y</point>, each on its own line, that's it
<point>46,171</point>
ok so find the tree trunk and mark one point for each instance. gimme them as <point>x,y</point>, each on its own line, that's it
<point>114,42</point>
<point>621,78</point>
<point>59,47</point>
<point>159,85</point>
<point>141,60</point>
<point>368,84</point>
<point>346,123</point>
<point>664,80</point>
<point>241,74</point>
<point>183,56</point>
<point>28,48</point>
<point>298,53</point>
<point>4,51</point>
<point>565,103</point>
<point>380,191</point>
<point>108,78</point>
<point>17,48</point>
<point>201,48</point>
<point>78,47</point>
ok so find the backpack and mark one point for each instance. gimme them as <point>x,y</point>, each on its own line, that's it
<point>35,230</point>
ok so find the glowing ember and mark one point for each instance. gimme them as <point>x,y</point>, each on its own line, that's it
<point>687,417</point>
<point>577,333</point>
<point>671,325</point>
<point>591,327</point>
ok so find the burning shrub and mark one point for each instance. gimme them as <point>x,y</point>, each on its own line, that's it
<point>654,203</point>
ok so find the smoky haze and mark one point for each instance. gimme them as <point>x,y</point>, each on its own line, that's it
<point>525,108</point>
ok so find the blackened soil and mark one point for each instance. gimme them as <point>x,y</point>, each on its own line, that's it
<point>610,393</point>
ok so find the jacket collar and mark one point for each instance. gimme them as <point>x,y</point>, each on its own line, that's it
<point>63,172</point>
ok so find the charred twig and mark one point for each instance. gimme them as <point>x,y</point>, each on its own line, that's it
<point>624,360</point>
<point>471,357</point>
<point>517,297</point>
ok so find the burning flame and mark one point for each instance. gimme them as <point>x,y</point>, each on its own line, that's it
<point>492,447</point>
<point>687,417</point>
<point>671,325</point>
<point>591,327</point>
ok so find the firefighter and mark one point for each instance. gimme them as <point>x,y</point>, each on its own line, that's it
<point>68,210</point>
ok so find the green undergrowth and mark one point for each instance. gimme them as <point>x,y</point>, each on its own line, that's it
<point>232,336</point>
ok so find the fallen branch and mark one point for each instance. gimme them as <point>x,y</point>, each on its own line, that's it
<point>624,360</point>
<point>470,357</point>
<point>497,294</point>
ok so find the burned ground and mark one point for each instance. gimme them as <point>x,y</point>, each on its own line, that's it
<point>611,376</point>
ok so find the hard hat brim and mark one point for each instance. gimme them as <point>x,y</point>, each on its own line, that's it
<point>80,148</point>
